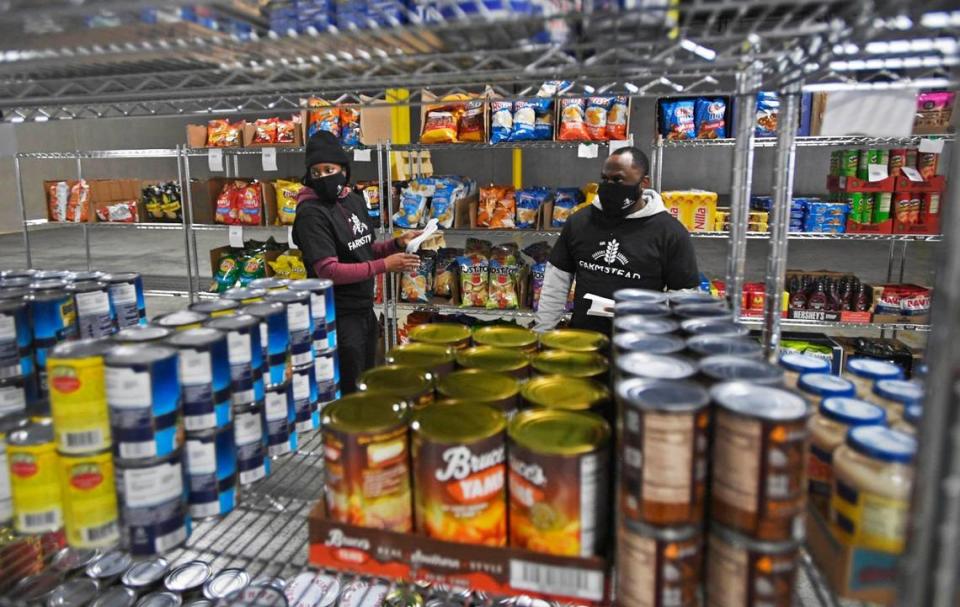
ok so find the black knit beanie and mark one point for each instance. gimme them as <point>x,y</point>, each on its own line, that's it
<point>324,146</point>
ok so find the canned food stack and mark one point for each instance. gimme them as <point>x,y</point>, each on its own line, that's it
<point>303,382</point>
<point>705,436</point>
<point>324,314</point>
<point>18,380</point>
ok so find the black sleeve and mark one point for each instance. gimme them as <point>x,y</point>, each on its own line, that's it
<point>680,261</point>
<point>560,256</point>
<point>313,235</point>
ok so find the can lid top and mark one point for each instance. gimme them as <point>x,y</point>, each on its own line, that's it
<point>714,326</point>
<point>912,414</point>
<point>492,358</point>
<point>365,412</point>
<point>641,295</point>
<point>649,343</point>
<point>48,274</point>
<point>110,564</point>
<point>70,558</point>
<point>558,432</point>
<point>702,310</point>
<point>206,306</point>
<point>87,286</point>
<point>461,423</point>
<point>574,340</point>
<point>160,599</point>
<point>440,333</point>
<point>137,354</point>
<point>726,367</point>
<point>736,539</point>
<point>287,297</point>
<point>274,582</point>
<point>645,324</point>
<point>141,333</point>
<point>653,366</point>
<point>710,345</point>
<point>560,392</point>
<point>311,284</point>
<point>11,304</point>
<point>120,277</point>
<point>73,593</point>
<point>197,336</point>
<point>269,282</point>
<point>417,354</point>
<point>762,402</point>
<point>225,582</point>
<point>402,381</point>
<point>477,385</point>
<point>117,596</point>
<point>27,272</point>
<point>826,384</point>
<point>187,576</point>
<point>180,318</point>
<point>571,364</point>
<point>243,293</point>
<point>803,363</point>
<point>35,433</point>
<point>233,323</point>
<point>668,395</point>
<point>146,572</point>
<point>262,309</point>
<point>84,275</point>
<point>504,336</point>
<point>84,348</point>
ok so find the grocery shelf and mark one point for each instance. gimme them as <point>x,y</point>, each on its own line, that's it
<point>102,154</point>
<point>815,324</point>
<point>452,309</point>
<point>811,141</point>
<point>46,224</point>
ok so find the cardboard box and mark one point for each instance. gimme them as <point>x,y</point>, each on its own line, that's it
<point>218,251</point>
<point>852,573</point>
<point>498,571</point>
<point>884,227</point>
<point>430,101</point>
<point>197,135</point>
<point>250,129</point>
<point>102,192</point>
<point>915,207</point>
<point>204,199</point>
<point>853,184</point>
<point>376,121</point>
<point>937,183</point>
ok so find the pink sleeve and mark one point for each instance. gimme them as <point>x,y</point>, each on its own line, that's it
<point>385,247</point>
<point>348,273</point>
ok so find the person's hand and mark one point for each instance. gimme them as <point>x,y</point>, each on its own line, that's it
<point>402,262</point>
<point>404,239</point>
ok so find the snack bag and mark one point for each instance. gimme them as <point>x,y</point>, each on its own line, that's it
<point>119,212</point>
<point>287,129</point>
<point>439,127</point>
<point>571,296</point>
<point>768,112</point>
<point>287,192</point>
<point>497,207</point>
<point>288,265</point>
<point>227,272</point>
<point>58,194</point>
<point>471,123</point>
<point>617,119</point>
<point>473,280</point>
<point>676,119</point>
<point>445,271</point>
<point>252,266</point>
<point>227,207</point>
<point>416,286</point>
<point>371,196</point>
<point>572,117</point>
<point>709,118</point>
<point>152,198</point>
<point>504,276</point>
<point>221,134</point>
<point>442,205</point>
<point>524,121</point>
<point>172,207</point>
<point>564,203</point>
<point>543,127</point>
<point>596,117</point>
<point>501,121</point>
<point>250,204</point>
<point>539,252</point>
<point>529,201</point>
<point>322,117</point>
<point>350,126</point>
<point>297,270</point>
<point>413,202</point>
<point>265,130</point>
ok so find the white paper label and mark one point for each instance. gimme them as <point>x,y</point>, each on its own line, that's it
<point>323,368</point>
<point>930,146</point>
<point>305,426</point>
<point>12,400</point>
<point>268,159</point>
<point>876,172</point>
<point>264,336</point>
<point>290,243</point>
<point>568,581</point>
<point>588,150</point>
<point>235,236</point>
<point>247,428</point>
<point>238,345</point>
<point>195,368</point>
<point>201,457</point>
<point>199,422</point>
<point>8,328</point>
<point>93,303</point>
<point>215,160</point>
<point>276,407</point>
<point>301,386</point>
<point>301,358</point>
<point>318,307</point>
<point>252,476</point>
<point>123,293</point>
<point>298,317</point>
<point>911,173</point>
<point>205,510</point>
<point>361,155</point>
<point>620,143</point>
<point>154,485</point>
<point>127,388</point>
<point>138,450</point>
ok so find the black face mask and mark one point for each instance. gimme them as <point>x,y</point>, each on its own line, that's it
<point>327,188</point>
<point>616,199</point>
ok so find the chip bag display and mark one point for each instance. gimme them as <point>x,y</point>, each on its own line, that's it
<point>226,273</point>
<point>524,121</point>
<point>119,212</point>
<point>564,202</point>
<point>498,207</point>
<point>162,202</point>
<point>596,117</point>
<point>253,265</point>
<point>288,265</point>
<point>501,121</point>
<point>350,125</point>
<point>227,211</point>
<point>443,202</point>
<point>413,204</point>
<point>287,192</point>
<point>768,112</point>
<point>572,120</point>
<point>445,271</point>
<point>69,202</point>
<point>504,278</point>
<point>440,126</point>
<point>709,118</point>
<point>287,130</point>
<point>473,280</point>
<point>322,116</point>
<point>222,134</point>
<point>676,119</point>
<point>250,204</point>
<point>265,130</point>
<point>471,123</point>
<point>617,119</point>
<point>417,286</point>
<point>529,201</point>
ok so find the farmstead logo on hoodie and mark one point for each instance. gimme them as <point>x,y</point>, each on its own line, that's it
<point>609,253</point>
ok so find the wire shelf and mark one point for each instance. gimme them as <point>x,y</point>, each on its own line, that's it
<point>815,324</point>
<point>770,142</point>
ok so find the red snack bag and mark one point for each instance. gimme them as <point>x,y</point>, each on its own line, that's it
<point>572,116</point>
<point>119,212</point>
<point>220,133</point>
<point>265,130</point>
<point>227,210</point>
<point>250,204</point>
<point>286,130</point>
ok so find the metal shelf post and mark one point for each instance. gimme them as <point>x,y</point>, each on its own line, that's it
<point>784,169</point>
<point>21,204</point>
<point>183,176</point>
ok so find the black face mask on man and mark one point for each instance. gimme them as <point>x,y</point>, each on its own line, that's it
<point>616,199</point>
<point>327,188</point>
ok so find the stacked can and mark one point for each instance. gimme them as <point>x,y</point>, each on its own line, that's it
<point>126,296</point>
<point>96,316</point>
<point>211,459</point>
<point>18,382</point>
<point>146,424</point>
<point>245,355</point>
<point>54,320</point>
<point>323,309</point>
<point>303,381</point>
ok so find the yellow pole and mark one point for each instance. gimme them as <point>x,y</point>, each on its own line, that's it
<point>517,168</point>
<point>399,116</point>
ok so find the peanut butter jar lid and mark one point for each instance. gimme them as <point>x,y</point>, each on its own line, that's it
<point>761,402</point>
<point>803,363</point>
<point>912,414</point>
<point>645,324</point>
<point>873,369</point>
<point>825,385</point>
<point>882,443</point>
<point>460,423</point>
<point>852,411</point>
<point>654,366</point>
<point>666,395</point>
<point>900,391</point>
<point>650,343</point>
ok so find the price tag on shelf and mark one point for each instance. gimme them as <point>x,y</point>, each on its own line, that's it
<point>269,159</point>
<point>215,160</point>
<point>616,145</point>
<point>236,237</point>
<point>911,173</point>
<point>587,150</point>
<point>361,155</point>
<point>930,146</point>
<point>876,172</point>
<point>290,243</point>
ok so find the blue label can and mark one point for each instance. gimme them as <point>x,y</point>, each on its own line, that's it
<point>299,324</point>
<point>274,339</point>
<point>211,472</point>
<point>252,462</point>
<point>14,395</point>
<point>126,295</point>
<point>245,356</point>
<point>321,307</point>
<point>303,389</point>
<point>280,417</point>
<point>141,335</point>
<point>204,378</point>
<point>332,336</point>
<point>152,500</point>
<point>16,339</point>
<point>327,373</point>
<point>95,314</point>
<point>54,320</point>
<point>143,398</point>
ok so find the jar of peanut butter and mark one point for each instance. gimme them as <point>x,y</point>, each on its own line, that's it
<point>910,421</point>
<point>864,372</point>
<point>815,387</point>
<point>795,364</point>
<point>895,395</point>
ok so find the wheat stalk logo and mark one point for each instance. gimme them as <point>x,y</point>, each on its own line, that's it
<point>610,253</point>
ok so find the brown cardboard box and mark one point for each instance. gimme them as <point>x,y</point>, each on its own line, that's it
<point>557,116</point>
<point>102,192</point>
<point>197,135</point>
<point>204,198</point>
<point>375,121</point>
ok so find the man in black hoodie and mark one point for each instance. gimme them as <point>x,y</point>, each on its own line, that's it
<point>336,236</point>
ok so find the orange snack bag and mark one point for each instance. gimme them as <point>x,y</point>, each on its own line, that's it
<point>572,125</point>
<point>439,127</point>
<point>497,208</point>
<point>222,134</point>
<point>265,130</point>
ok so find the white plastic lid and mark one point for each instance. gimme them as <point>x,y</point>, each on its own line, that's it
<point>874,369</point>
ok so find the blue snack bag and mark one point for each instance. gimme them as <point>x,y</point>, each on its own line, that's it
<point>768,113</point>
<point>676,119</point>
<point>524,121</point>
<point>529,201</point>
<point>501,121</point>
<point>709,118</point>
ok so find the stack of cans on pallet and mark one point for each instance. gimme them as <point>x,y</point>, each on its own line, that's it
<point>711,457</point>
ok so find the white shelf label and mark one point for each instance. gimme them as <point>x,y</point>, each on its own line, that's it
<point>290,243</point>
<point>912,173</point>
<point>617,144</point>
<point>876,172</point>
<point>268,159</point>
<point>588,150</point>
<point>235,235</point>
<point>930,146</point>
<point>361,155</point>
<point>215,160</point>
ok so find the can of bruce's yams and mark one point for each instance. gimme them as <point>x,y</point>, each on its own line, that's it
<point>558,464</point>
<point>89,500</point>
<point>412,384</point>
<point>439,360</point>
<point>459,470</point>
<point>366,433</point>
<point>78,396</point>
<point>476,385</point>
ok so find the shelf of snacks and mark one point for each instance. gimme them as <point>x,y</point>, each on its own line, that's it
<point>44,224</point>
<point>113,201</point>
<point>806,141</point>
<point>872,326</point>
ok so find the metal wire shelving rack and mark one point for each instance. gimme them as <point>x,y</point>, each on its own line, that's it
<point>727,46</point>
